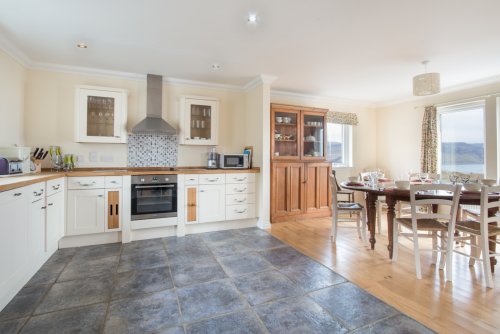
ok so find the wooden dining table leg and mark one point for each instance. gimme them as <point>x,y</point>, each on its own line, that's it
<point>371,209</point>
<point>391,204</point>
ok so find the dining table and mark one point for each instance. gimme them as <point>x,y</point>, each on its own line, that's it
<point>393,195</point>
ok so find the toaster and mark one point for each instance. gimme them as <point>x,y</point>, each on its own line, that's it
<point>10,166</point>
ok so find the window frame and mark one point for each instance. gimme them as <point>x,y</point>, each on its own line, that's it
<point>458,107</point>
<point>347,144</point>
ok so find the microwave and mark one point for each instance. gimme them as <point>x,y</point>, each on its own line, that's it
<point>236,161</point>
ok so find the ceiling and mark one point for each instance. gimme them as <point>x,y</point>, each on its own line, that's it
<point>359,49</point>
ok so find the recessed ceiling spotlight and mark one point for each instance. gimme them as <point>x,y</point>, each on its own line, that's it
<point>82,45</point>
<point>252,18</point>
<point>216,67</point>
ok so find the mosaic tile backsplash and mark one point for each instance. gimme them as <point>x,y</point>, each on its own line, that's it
<point>152,150</point>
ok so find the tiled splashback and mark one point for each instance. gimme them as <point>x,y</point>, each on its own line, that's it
<point>152,150</point>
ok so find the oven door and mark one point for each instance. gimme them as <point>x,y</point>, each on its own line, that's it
<point>154,201</point>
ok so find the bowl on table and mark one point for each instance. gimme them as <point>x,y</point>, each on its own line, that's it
<point>401,184</point>
<point>472,187</point>
<point>488,182</point>
<point>353,178</point>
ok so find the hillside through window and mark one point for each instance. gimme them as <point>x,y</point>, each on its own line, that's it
<point>462,138</point>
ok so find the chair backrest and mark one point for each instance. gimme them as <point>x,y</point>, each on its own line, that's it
<point>434,190</point>
<point>487,205</point>
<point>336,182</point>
<point>333,186</point>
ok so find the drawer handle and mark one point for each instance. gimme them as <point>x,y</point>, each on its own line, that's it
<point>242,179</point>
<point>213,180</point>
<point>17,194</point>
<point>113,182</point>
<point>38,194</point>
<point>192,180</point>
<point>43,207</point>
<point>100,195</point>
<point>240,200</point>
<point>240,190</point>
<point>242,211</point>
<point>50,204</point>
<point>56,187</point>
<point>87,184</point>
<point>202,191</point>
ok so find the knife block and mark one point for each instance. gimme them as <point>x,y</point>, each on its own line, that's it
<point>38,166</point>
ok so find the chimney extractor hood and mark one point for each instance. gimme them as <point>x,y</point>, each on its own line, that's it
<point>153,123</point>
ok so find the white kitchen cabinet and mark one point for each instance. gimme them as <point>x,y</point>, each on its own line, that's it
<point>55,220</point>
<point>199,123</point>
<point>86,213</point>
<point>211,203</point>
<point>101,115</point>
<point>14,242</point>
<point>37,225</point>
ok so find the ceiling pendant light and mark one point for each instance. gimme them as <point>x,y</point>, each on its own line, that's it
<point>427,83</point>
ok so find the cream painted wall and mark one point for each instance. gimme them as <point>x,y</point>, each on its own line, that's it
<point>399,130</point>
<point>50,115</point>
<point>364,134</point>
<point>12,81</point>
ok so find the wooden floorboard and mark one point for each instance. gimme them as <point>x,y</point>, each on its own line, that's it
<point>462,306</point>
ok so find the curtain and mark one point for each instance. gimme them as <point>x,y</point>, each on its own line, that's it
<point>428,148</point>
<point>341,117</point>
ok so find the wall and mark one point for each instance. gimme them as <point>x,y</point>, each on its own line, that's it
<point>399,130</point>
<point>49,115</point>
<point>12,81</point>
<point>364,134</point>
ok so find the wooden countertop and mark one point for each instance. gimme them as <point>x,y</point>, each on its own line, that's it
<point>13,182</point>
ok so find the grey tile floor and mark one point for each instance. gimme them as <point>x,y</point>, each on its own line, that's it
<point>239,281</point>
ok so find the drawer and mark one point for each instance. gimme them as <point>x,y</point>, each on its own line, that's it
<point>240,199</point>
<point>86,182</point>
<point>10,195</point>
<point>191,180</point>
<point>244,211</point>
<point>113,182</point>
<point>212,179</point>
<point>55,186</point>
<point>240,177</point>
<point>37,191</point>
<point>236,188</point>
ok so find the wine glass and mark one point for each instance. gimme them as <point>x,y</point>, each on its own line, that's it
<point>423,177</point>
<point>453,178</point>
<point>465,178</point>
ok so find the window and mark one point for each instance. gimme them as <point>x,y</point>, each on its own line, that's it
<point>339,144</point>
<point>461,138</point>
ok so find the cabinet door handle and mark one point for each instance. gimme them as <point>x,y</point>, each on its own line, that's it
<point>213,180</point>
<point>240,211</point>
<point>242,179</point>
<point>187,138</point>
<point>111,209</point>
<point>87,184</point>
<point>50,204</point>
<point>117,136</point>
<point>43,207</point>
<point>17,194</point>
<point>240,200</point>
<point>202,191</point>
<point>240,190</point>
<point>116,209</point>
<point>56,187</point>
<point>100,195</point>
<point>114,182</point>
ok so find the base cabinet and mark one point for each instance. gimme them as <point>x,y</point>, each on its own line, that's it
<point>85,212</point>
<point>300,190</point>
<point>212,203</point>
<point>55,220</point>
<point>38,232</point>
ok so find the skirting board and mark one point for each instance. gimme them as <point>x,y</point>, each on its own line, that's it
<point>90,239</point>
<point>219,226</point>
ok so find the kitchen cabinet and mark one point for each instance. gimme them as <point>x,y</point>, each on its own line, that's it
<point>37,226</point>
<point>85,212</point>
<point>199,120</point>
<point>55,220</point>
<point>94,205</point>
<point>212,203</point>
<point>191,204</point>
<point>101,115</point>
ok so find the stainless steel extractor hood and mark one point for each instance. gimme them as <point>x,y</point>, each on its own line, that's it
<point>153,123</point>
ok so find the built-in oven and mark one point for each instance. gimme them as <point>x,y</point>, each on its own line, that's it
<point>153,196</point>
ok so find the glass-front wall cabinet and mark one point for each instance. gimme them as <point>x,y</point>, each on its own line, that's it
<point>200,121</point>
<point>101,115</point>
<point>286,134</point>
<point>313,135</point>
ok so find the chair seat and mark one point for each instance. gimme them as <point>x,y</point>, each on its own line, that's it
<point>349,206</point>
<point>424,224</point>
<point>471,211</point>
<point>473,227</point>
<point>345,191</point>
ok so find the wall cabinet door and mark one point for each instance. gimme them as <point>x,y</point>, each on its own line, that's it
<point>317,187</point>
<point>199,120</point>
<point>287,189</point>
<point>55,221</point>
<point>101,115</point>
<point>85,212</point>
<point>212,203</point>
<point>191,204</point>
<point>113,209</point>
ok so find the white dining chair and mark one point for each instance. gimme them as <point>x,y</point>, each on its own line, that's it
<point>357,210</point>
<point>481,230</point>
<point>427,224</point>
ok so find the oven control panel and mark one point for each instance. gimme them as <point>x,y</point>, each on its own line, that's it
<point>152,179</point>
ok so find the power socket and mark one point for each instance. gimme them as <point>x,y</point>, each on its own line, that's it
<point>93,156</point>
<point>107,158</point>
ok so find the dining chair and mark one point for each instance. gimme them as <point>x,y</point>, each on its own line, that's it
<point>482,231</point>
<point>429,224</point>
<point>380,204</point>
<point>347,192</point>
<point>358,211</point>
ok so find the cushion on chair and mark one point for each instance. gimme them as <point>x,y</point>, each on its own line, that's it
<point>349,206</point>
<point>473,227</point>
<point>424,224</point>
<point>345,191</point>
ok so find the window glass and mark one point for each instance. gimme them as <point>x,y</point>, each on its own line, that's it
<point>462,138</point>
<point>339,143</point>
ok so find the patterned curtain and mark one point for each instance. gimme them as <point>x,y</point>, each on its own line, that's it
<point>341,117</point>
<point>428,149</point>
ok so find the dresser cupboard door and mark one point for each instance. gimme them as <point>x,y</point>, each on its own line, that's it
<point>287,189</point>
<point>317,187</point>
